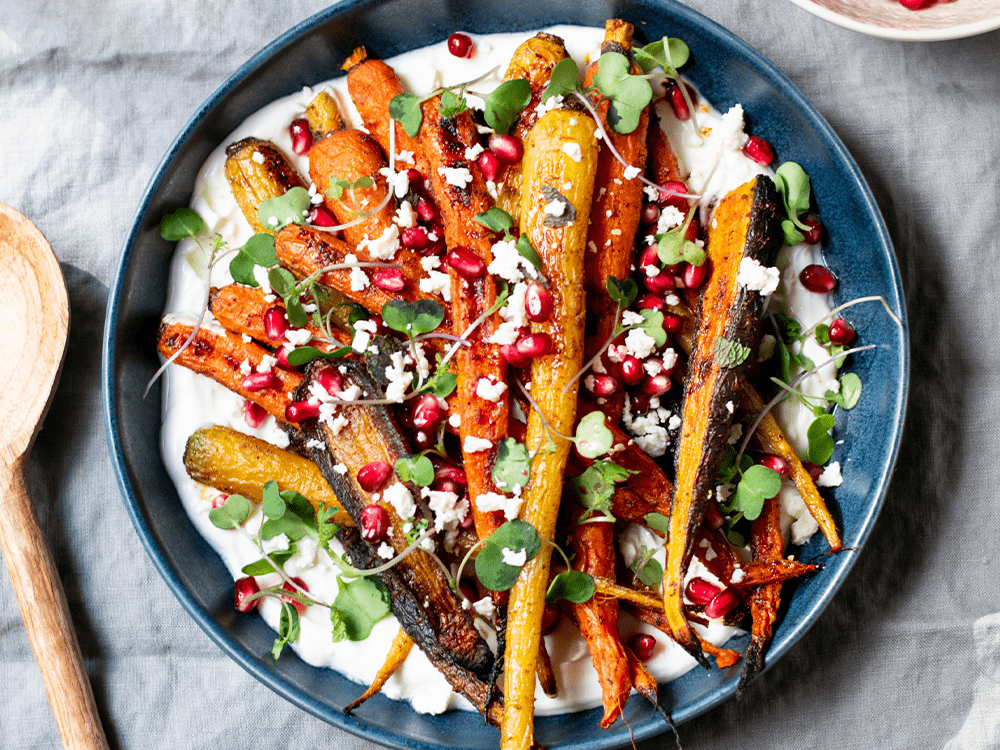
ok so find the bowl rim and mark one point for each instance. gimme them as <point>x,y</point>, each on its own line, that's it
<point>959,31</point>
<point>290,691</point>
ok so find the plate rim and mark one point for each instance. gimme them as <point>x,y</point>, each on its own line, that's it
<point>291,692</point>
<point>960,31</point>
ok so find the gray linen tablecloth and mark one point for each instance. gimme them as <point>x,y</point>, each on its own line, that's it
<point>907,655</point>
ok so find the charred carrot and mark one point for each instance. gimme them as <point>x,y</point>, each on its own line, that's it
<point>229,360</point>
<point>761,572</point>
<point>258,170</point>
<point>767,545</point>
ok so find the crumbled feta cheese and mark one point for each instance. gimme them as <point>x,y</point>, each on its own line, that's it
<point>639,343</point>
<point>554,208</point>
<point>674,422</point>
<point>430,262</point>
<point>757,277</point>
<point>383,247</point>
<point>735,433</point>
<point>484,607</point>
<point>731,131</point>
<point>398,181</point>
<point>298,336</point>
<point>730,407</point>
<point>509,264</point>
<point>304,557</point>
<point>399,379</point>
<point>260,275</point>
<point>491,189</point>
<point>506,333</point>
<point>246,339</point>
<point>436,282</point>
<point>738,575</point>
<point>267,362</point>
<point>652,193</point>
<point>491,501</point>
<point>279,542</point>
<point>547,106</point>
<point>340,469</point>
<point>359,279</point>
<point>406,217</point>
<point>456,176</point>
<point>386,552</point>
<point>314,443</point>
<point>632,172</point>
<point>474,444</point>
<point>831,476</point>
<point>405,157</point>
<point>448,510</point>
<point>630,318</point>
<point>339,423</point>
<point>245,366</point>
<point>400,499</point>
<point>573,151</point>
<point>455,420</point>
<point>670,217</point>
<point>258,157</point>
<point>473,152</point>
<point>489,390</point>
<point>515,559</point>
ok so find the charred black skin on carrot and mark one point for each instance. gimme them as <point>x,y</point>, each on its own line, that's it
<point>475,657</point>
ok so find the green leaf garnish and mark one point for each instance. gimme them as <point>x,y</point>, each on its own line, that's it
<point>361,603</point>
<point>629,94</point>
<point>417,469</point>
<point>495,218</point>
<point>821,443</point>
<point>596,486</point>
<point>180,224</point>
<point>263,566</point>
<point>452,105</point>
<point>505,103</point>
<point>512,466</point>
<point>412,318</point>
<point>231,514</point>
<point>593,439</point>
<point>563,81</point>
<point>673,247</point>
<point>730,353</point>
<point>273,505</point>
<point>658,522</point>
<point>288,629</point>
<point>573,585</point>
<point>258,251</point>
<point>405,109</point>
<point>758,484</point>
<point>651,573</point>
<point>849,393</point>
<point>303,355</point>
<point>523,246</point>
<point>338,185</point>
<point>669,54</point>
<point>622,291</point>
<point>793,186</point>
<point>291,208</point>
<point>653,326</point>
<point>516,535</point>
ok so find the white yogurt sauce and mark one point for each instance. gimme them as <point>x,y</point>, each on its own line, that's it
<point>191,401</point>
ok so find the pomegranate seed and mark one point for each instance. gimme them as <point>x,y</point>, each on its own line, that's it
<point>414,178</point>
<point>661,283</point>
<point>428,413</point>
<point>513,358</point>
<point>468,589</point>
<point>813,470</point>
<point>302,136</point>
<point>288,587</point>
<point>534,345</point>
<point>258,381</point>
<point>372,475</point>
<point>243,590</point>
<point>650,302</point>
<point>551,616</point>
<point>460,45</point>
<point>640,402</point>
<point>650,214</point>
<point>713,516</point>
<point>451,473</point>
<point>656,385</point>
<point>916,4</point>
<point>468,522</point>
<point>254,414</point>
<point>817,279</point>
<point>602,385</point>
<point>220,499</point>
<point>275,323</point>
<point>700,591</point>
<point>667,197</point>
<point>414,237</point>
<point>489,165</point>
<point>775,463</point>
<point>389,280</point>
<point>632,371</point>
<point>759,150</point>
<point>723,603</point>
<point>649,257</point>
<point>841,332</point>
<point>296,411</point>
<point>672,323</point>
<point>320,217</point>
<point>374,523</point>
<point>425,211</point>
<point>694,276</point>
<point>446,485</point>
<point>508,148</point>
<point>815,232</point>
<point>465,262</point>
<point>642,646</point>
<point>677,103</point>
<point>330,381</point>
<point>538,303</point>
<point>282,356</point>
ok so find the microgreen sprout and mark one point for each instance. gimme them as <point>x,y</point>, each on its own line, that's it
<point>500,222</point>
<point>793,185</point>
<point>674,247</point>
<point>405,108</point>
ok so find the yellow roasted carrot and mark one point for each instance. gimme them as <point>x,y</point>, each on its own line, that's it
<point>547,165</point>
<point>258,170</point>
<point>400,648</point>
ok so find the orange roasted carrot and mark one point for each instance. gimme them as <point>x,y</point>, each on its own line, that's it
<point>767,545</point>
<point>724,657</point>
<point>662,164</point>
<point>241,309</point>
<point>761,572</point>
<point>400,648</point>
<point>616,210</point>
<point>221,357</point>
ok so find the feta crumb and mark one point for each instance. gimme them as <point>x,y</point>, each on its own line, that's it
<point>515,559</point>
<point>405,157</point>
<point>473,152</point>
<point>258,157</point>
<point>484,607</point>
<point>455,420</point>
<point>554,208</point>
<point>340,469</point>
<point>401,500</point>
<point>399,379</point>
<point>735,433</point>
<point>573,151</point>
<point>632,172</point>
<point>670,217</point>
<point>639,344</point>
<point>456,176</point>
<point>731,131</point>
<point>831,476</point>
<point>245,367</point>
<point>630,318</point>
<point>489,390</point>
<point>260,276</point>
<point>246,339</point>
<point>730,407</point>
<point>491,501</point>
<point>267,362</point>
<point>298,336</point>
<point>430,262</point>
<point>476,445</point>
<point>738,575</point>
<point>383,247</point>
<point>359,279</point>
<point>406,217</point>
<point>436,282</point>
<point>757,277</point>
<point>508,262</point>
<point>398,181</point>
<point>314,443</point>
<point>386,552</point>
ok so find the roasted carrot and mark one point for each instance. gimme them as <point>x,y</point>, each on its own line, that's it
<point>400,648</point>
<point>324,115</point>
<point>724,657</point>
<point>236,463</point>
<point>241,309</point>
<point>745,225</point>
<point>445,142</point>
<point>616,211</point>
<point>767,545</point>
<point>258,170</point>
<point>220,357</point>
<point>561,249</point>
<point>593,545</point>
<point>761,572</point>
<point>662,166</point>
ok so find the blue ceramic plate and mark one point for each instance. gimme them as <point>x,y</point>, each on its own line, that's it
<point>727,71</point>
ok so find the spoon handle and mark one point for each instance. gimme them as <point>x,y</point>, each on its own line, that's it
<point>46,617</point>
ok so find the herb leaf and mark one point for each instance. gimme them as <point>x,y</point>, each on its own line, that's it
<point>658,522</point>
<point>563,81</point>
<point>673,247</point>
<point>263,566</point>
<point>452,104</point>
<point>653,326</point>
<point>523,246</point>
<point>273,505</point>
<point>850,391</point>
<point>651,573</point>
<point>820,441</point>
<point>361,603</point>
<point>405,109</point>
<point>288,629</point>
<point>495,218</point>
<point>573,585</point>
<point>669,54</point>
<point>622,291</point>
<point>290,208</point>
<point>512,466</point>
<point>516,535</point>
<point>729,353</point>
<point>593,439</point>
<point>595,486</point>
<point>412,318</point>
<point>231,514</point>
<point>417,469</point>
<point>758,484</point>
<point>180,224</point>
<point>793,186</point>
<point>302,355</point>
<point>258,251</point>
<point>629,94</point>
<point>505,103</point>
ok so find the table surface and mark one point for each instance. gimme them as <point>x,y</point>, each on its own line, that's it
<point>907,653</point>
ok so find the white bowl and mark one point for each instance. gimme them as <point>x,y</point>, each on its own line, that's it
<point>890,20</point>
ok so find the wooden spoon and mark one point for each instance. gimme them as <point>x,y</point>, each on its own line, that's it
<point>34,295</point>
